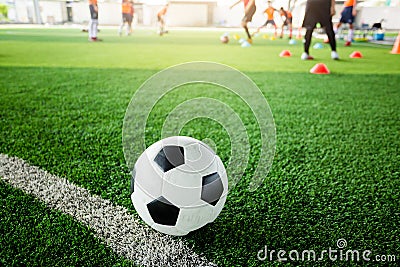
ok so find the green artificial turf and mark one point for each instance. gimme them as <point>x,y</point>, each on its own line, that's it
<point>335,173</point>
<point>34,235</point>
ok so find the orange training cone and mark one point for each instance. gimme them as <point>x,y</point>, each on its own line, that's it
<point>356,54</point>
<point>285,53</point>
<point>396,46</point>
<point>320,68</point>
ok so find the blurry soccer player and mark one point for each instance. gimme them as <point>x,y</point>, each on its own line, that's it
<point>319,11</point>
<point>287,22</point>
<point>249,10</point>
<point>127,17</point>
<point>161,19</point>
<point>347,16</point>
<point>94,21</point>
<point>270,18</point>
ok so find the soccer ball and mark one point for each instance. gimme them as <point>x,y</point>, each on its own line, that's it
<point>224,39</point>
<point>178,185</point>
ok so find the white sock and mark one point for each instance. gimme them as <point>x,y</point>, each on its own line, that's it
<point>90,28</point>
<point>350,35</point>
<point>95,22</point>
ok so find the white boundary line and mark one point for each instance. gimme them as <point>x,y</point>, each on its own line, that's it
<point>111,223</point>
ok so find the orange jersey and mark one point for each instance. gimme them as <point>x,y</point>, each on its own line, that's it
<point>270,12</point>
<point>287,14</point>
<point>349,3</point>
<point>162,12</point>
<point>127,8</point>
<point>93,2</point>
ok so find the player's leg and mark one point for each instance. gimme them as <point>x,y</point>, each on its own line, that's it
<point>94,23</point>
<point>275,27</point>
<point>128,24</point>
<point>246,29</point>
<point>309,22</point>
<point>129,30</point>
<point>337,27</point>
<point>332,40</point>
<point>90,29</point>
<point>161,25</point>
<point>283,26</point>
<point>91,21</point>
<point>158,24</point>
<point>164,26</point>
<point>266,25</point>
<point>258,29</point>
<point>95,28</point>
<point>347,17</point>
<point>121,26</point>
<point>307,44</point>
<point>290,29</point>
<point>248,16</point>
<point>350,34</point>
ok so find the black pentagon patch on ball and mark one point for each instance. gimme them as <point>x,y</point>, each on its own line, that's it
<point>170,157</point>
<point>163,212</point>
<point>133,180</point>
<point>212,188</point>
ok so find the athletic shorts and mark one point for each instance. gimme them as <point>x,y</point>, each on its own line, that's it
<point>126,17</point>
<point>287,21</point>
<point>317,11</point>
<point>347,15</point>
<point>93,13</point>
<point>270,21</point>
<point>248,16</point>
<point>160,18</point>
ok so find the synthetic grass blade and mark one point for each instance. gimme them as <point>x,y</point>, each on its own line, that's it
<point>111,223</point>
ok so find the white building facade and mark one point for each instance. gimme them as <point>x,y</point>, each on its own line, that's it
<point>187,13</point>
